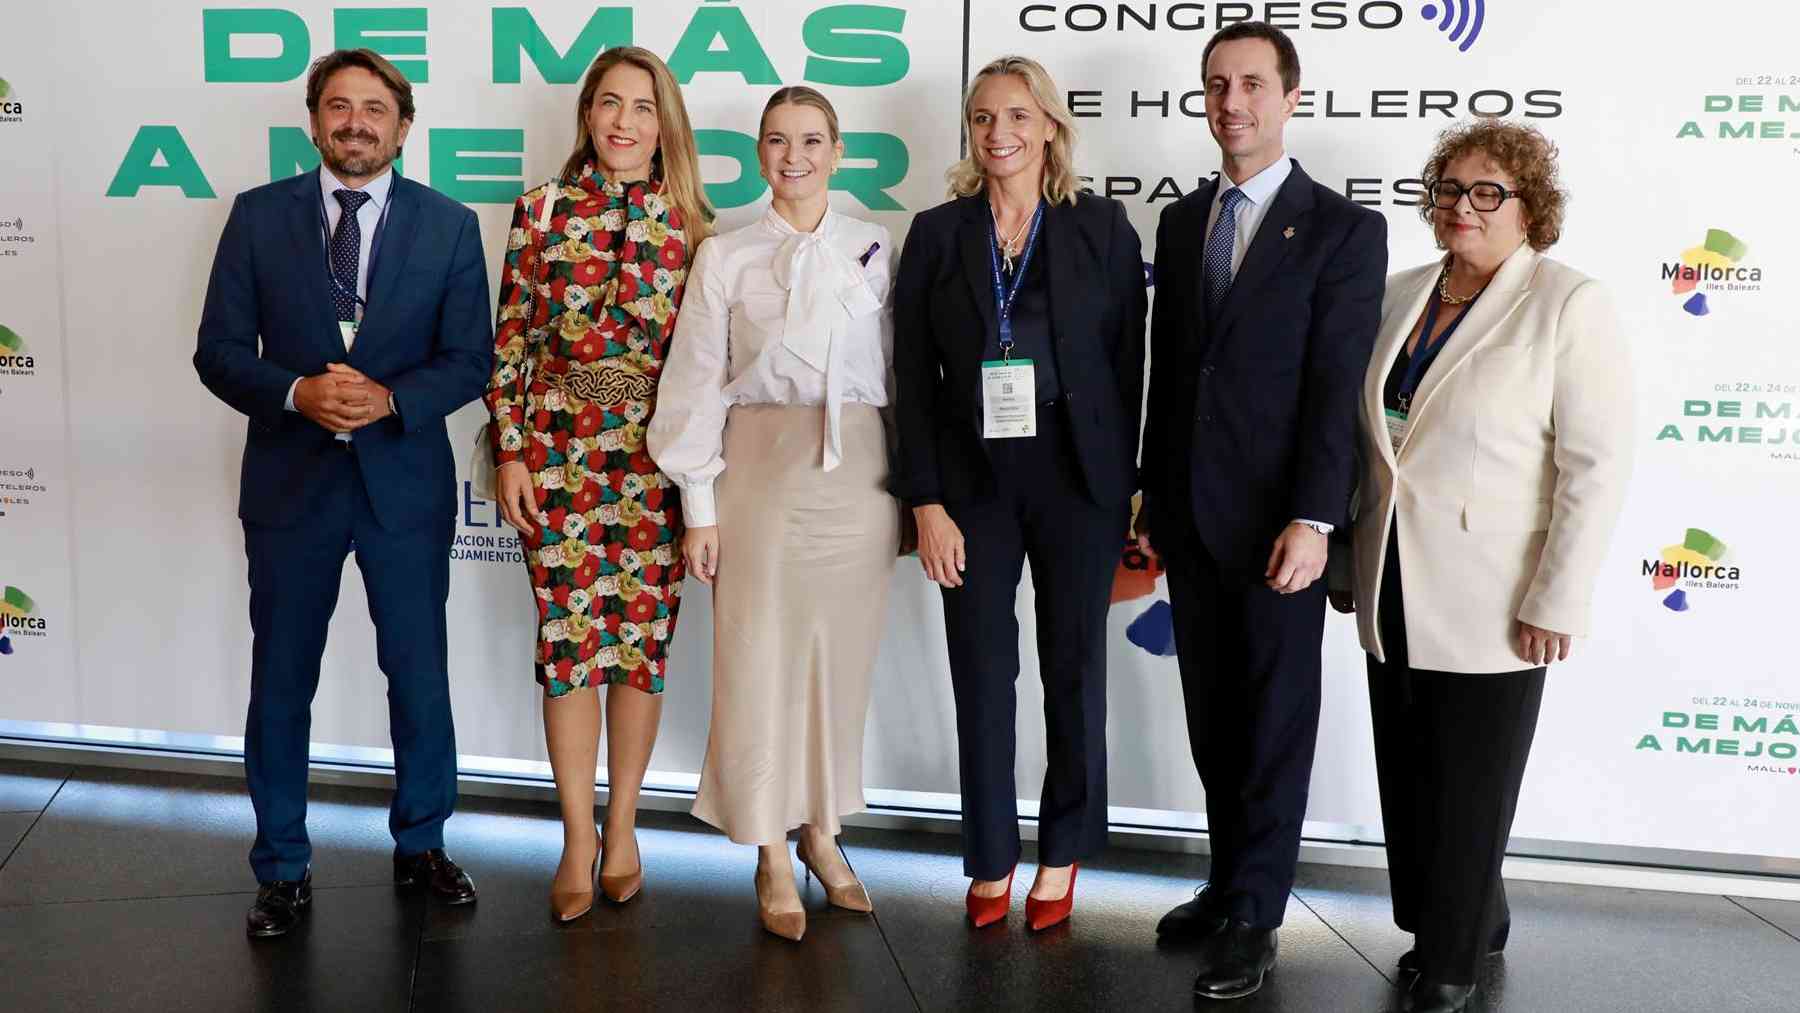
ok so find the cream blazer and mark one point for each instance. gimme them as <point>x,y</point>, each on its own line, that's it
<point>1509,482</point>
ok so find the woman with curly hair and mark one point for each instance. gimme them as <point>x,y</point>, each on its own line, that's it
<point>1496,444</point>
<point>594,271</point>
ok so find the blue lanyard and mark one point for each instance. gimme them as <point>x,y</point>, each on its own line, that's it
<point>1429,349</point>
<point>1003,297</point>
<point>374,246</point>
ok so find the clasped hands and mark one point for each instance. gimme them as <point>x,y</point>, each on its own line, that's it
<point>342,399</point>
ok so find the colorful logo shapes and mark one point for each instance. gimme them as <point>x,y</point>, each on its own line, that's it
<point>1720,252</point>
<point>1697,556</point>
<point>14,604</point>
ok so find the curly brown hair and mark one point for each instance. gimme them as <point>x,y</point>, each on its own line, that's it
<point>1522,152</point>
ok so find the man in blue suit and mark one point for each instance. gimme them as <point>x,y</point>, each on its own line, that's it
<point>347,315</point>
<point>1268,298</point>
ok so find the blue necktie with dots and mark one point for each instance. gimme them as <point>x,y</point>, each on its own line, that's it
<point>346,252</point>
<point>1220,243</point>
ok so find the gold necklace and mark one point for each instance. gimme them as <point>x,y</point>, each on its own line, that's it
<point>1006,248</point>
<point>1444,290</point>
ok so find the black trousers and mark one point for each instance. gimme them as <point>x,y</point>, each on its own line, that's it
<point>1250,681</point>
<point>1450,752</point>
<point>1040,511</point>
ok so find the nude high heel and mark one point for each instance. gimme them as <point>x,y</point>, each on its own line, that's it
<point>789,925</point>
<point>850,896</point>
<point>623,887</point>
<point>568,905</point>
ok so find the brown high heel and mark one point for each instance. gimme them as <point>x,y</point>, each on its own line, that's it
<point>789,925</point>
<point>621,888</point>
<point>850,896</point>
<point>568,905</point>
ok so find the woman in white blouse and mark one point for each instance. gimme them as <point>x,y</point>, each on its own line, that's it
<point>769,422</point>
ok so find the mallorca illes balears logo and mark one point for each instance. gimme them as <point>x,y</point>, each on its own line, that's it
<point>18,618</point>
<point>1715,266</point>
<point>1698,563</point>
<point>15,358</point>
<point>11,109</point>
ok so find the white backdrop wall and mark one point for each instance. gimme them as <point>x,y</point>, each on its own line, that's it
<point>126,129</point>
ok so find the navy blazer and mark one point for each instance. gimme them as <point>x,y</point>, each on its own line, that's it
<point>427,335</point>
<point>944,318</point>
<point>1252,413</point>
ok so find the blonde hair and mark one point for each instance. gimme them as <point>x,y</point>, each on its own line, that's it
<point>676,155</point>
<point>801,95</point>
<point>1060,182</point>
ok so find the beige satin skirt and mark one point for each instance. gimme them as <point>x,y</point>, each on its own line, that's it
<point>805,558</point>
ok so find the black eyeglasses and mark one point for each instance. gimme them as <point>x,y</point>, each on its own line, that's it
<point>1483,194</point>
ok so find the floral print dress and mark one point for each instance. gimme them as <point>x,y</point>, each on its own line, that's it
<point>574,385</point>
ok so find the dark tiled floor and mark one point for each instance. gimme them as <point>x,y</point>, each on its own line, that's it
<point>126,891</point>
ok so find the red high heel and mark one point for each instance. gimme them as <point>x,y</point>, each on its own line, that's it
<point>1042,914</point>
<point>985,911</point>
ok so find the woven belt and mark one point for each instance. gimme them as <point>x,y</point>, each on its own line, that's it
<point>601,384</point>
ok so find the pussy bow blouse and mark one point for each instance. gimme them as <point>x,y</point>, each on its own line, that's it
<point>772,316</point>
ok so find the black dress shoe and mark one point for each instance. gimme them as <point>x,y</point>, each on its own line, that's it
<point>1197,919</point>
<point>279,907</point>
<point>1436,997</point>
<point>435,872</point>
<point>1241,956</point>
<point>1409,961</point>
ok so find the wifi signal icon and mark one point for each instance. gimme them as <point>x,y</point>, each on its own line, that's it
<point>1468,15</point>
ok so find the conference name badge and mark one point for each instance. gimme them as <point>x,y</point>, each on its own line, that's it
<point>1397,424</point>
<point>1008,399</point>
<point>347,330</point>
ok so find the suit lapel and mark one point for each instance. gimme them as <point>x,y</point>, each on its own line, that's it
<point>1509,288</point>
<point>1059,235</point>
<point>975,238</point>
<point>1203,202</point>
<point>390,255</point>
<point>307,233</point>
<point>1269,248</point>
<point>1395,329</point>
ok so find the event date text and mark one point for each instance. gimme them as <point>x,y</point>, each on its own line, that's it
<point>1748,387</point>
<point>1748,703</point>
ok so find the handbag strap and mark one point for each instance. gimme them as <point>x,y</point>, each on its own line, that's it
<point>542,228</point>
<point>548,204</point>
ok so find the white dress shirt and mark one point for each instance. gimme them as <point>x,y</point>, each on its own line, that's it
<point>367,218</point>
<point>1260,190</point>
<point>772,315</point>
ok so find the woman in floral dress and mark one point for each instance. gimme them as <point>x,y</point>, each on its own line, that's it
<point>594,270</point>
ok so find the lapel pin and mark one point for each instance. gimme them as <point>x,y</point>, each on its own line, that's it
<point>1288,233</point>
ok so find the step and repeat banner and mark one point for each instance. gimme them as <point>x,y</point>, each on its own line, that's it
<point>125,132</point>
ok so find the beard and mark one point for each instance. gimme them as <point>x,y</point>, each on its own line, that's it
<point>376,156</point>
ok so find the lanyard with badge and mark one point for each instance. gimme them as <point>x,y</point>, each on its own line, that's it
<point>1398,422</point>
<point>347,328</point>
<point>1009,385</point>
